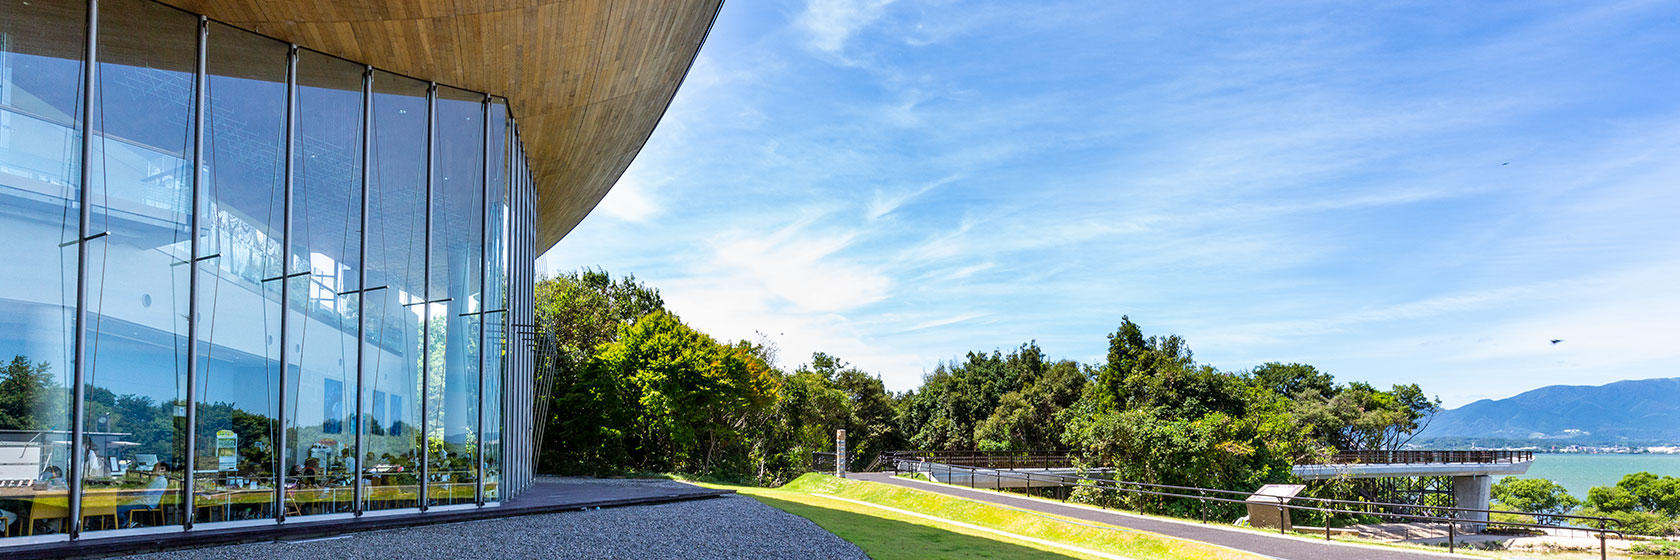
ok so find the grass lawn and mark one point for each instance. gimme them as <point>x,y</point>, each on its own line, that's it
<point>887,535</point>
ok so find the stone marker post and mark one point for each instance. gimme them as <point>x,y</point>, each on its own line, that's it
<point>840,453</point>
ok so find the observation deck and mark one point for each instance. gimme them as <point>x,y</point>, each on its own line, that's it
<point>1472,471</point>
<point>1403,463</point>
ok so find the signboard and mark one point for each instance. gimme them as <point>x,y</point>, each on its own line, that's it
<point>227,450</point>
<point>840,453</point>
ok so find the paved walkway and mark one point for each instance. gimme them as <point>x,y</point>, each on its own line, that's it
<point>1276,546</point>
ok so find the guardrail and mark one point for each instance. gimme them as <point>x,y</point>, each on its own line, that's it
<point>1417,456</point>
<point>1323,506</point>
<point>986,459</point>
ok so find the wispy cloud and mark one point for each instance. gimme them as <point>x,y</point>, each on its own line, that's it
<point>631,200</point>
<point>1409,193</point>
<point>831,22</point>
<point>885,204</point>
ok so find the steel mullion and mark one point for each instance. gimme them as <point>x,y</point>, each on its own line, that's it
<point>426,312</point>
<point>83,223</point>
<point>285,281</point>
<point>188,478</point>
<point>527,298</point>
<point>356,494</point>
<point>483,273</point>
<point>504,487</point>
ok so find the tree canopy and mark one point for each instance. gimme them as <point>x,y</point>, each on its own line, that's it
<point>637,389</point>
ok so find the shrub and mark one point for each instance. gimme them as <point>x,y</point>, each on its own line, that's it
<point>1656,548</point>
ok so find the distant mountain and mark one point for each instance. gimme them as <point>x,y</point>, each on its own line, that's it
<point>1644,411</point>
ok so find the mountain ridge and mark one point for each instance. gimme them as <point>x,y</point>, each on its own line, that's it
<point>1634,411</point>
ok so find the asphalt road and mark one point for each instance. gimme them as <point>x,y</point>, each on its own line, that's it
<point>1276,546</point>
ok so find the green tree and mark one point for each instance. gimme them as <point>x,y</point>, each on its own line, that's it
<point>1292,380</point>
<point>1360,417</point>
<point>30,398</point>
<point>692,396</point>
<point>871,421</point>
<point>1031,419</point>
<point>955,399</point>
<point>1534,495</point>
<point>1645,503</point>
<point>807,410</point>
<point>1155,416</point>
<point>588,411</point>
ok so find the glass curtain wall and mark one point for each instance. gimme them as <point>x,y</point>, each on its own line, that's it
<point>241,227</point>
<point>396,244</point>
<point>455,291</point>
<point>42,45</point>
<point>322,285</point>
<point>140,199</point>
<point>288,369</point>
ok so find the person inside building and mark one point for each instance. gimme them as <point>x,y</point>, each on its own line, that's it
<point>148,500</point>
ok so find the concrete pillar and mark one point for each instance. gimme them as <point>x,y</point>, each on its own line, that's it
<point>1473,492</point>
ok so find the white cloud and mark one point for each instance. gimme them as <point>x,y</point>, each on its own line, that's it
<point>831,22</point>
<point>884,204</point>
<point>630,200</point>
<point>1272,184</point>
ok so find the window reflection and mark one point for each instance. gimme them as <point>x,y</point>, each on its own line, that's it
<point>135,434</point>
<point>239,312</point>
<point>396,260</point>
<point>457,245</point>
<point>321,337</point>
<point>40,145</point>
<point>423,326</point>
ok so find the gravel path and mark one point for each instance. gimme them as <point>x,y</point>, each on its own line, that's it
<point>726,527</point>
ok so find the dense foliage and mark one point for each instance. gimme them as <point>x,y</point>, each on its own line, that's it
<point>1535,495</point>
<point>1645,504</point>
<point>633,388</point>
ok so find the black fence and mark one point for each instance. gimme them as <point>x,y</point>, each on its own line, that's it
<point>1452,517</point>
<point>977,458</point>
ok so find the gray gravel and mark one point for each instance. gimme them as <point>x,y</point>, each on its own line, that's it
<point>726,527</point>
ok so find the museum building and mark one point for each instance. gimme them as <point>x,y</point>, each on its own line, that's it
<point>271,262</point>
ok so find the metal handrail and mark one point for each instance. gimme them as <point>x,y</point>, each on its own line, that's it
<point>1452,522</point>
<point>1417,456</point>
<point>990,459</point>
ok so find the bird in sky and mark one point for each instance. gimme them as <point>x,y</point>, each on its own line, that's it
<point>1556,340</point>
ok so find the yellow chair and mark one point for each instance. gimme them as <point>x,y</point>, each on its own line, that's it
<point>100,511</point>
<point>43,509</point>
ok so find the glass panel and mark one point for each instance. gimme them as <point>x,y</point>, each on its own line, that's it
<point>396,260</point>
<point>41,47</point>
<point>457,243</point>
<point>137,292</point>
<point>321,323</point>
<point>239,312</point>
<point>495,290</point>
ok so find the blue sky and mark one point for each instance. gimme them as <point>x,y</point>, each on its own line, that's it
<point>1404,192</point>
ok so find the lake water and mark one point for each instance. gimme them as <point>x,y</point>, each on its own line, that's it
<point>1580,472</point>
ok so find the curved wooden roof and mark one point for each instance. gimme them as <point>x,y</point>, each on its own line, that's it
<point>587,79</point>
